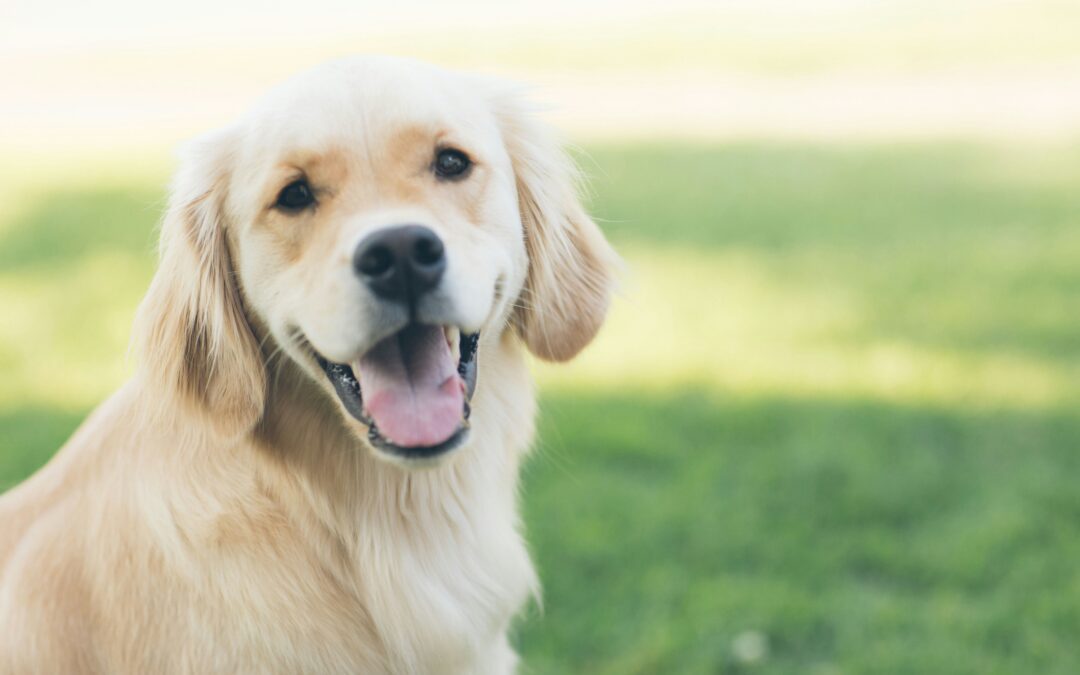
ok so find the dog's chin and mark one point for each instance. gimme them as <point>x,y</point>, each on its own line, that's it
<point>421,457</point>
<point>408,397</point>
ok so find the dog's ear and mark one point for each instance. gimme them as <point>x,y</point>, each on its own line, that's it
<point>192,333</point>
<point>571,265</point>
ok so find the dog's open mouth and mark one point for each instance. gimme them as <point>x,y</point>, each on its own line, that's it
<point>411,390</point>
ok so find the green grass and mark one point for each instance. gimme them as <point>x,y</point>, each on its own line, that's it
<point>838,403</point>
<point>859,537</point>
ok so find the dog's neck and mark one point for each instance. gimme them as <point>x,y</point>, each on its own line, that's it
<point>302,440</point>
<point>302,495</point>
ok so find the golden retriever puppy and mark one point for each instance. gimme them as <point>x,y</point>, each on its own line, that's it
<point>314,469</point>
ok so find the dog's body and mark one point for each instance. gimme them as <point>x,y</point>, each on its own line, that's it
<point>223,512</point>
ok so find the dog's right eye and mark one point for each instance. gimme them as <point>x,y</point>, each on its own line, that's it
<point>295,196</point>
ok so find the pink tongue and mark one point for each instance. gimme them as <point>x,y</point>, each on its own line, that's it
<point>411,387</point>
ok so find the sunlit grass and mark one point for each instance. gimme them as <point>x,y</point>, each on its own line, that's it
<point>64,336</point>
<point>732,322</point>
<point>942,274</point>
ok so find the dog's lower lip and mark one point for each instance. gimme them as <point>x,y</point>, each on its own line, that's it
<point>421,452</point>
<point>347,387</point>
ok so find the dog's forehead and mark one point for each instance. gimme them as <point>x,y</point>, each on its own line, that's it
<point>361,101</point>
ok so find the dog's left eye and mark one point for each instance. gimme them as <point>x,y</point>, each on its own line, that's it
<point>295,196</point>
<point>451,163</point>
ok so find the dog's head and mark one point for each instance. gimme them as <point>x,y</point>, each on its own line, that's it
<point>372,219</point>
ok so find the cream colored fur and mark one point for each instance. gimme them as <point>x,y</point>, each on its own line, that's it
<point>220,513</point>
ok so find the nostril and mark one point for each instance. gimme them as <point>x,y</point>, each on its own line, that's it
<point>376,261</point>
<point>428,251</point>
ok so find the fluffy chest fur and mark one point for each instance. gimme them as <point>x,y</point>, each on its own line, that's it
<point>422,587</point>
<point>338,562</point>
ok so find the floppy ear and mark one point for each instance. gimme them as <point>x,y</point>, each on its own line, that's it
<point>571,265</point>
<point>193,335</point>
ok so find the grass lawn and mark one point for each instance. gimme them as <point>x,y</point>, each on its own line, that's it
<point>836,411</point>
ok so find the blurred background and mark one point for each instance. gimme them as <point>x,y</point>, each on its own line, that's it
<point>832,425</point>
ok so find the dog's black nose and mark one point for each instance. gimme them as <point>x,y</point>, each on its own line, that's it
<point>401,263</point>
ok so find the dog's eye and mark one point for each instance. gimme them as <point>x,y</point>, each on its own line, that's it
<point>295,196</point>
<point>450,163</point>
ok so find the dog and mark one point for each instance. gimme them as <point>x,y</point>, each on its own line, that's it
<point>314,468</point>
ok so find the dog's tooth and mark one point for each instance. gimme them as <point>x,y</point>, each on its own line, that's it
<point>453,339</point>
<point>452,333</point>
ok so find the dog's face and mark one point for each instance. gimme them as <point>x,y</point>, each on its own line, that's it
<point>377,235</point>
<point>374,219</point>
